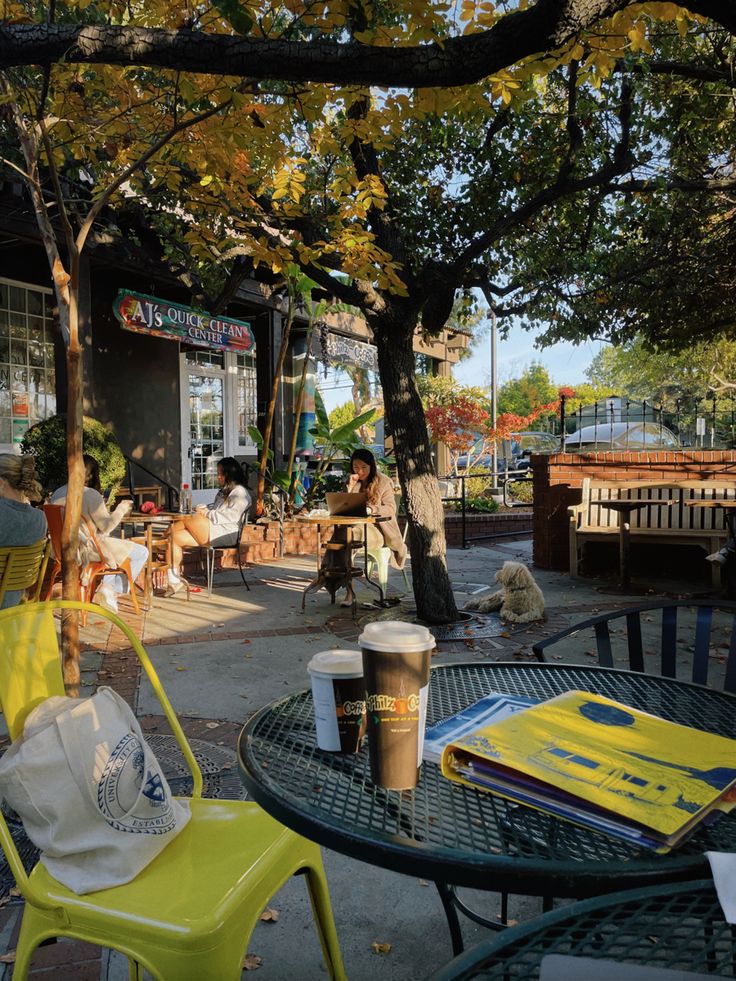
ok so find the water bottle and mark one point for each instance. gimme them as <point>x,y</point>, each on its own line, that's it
<point>185,499</point>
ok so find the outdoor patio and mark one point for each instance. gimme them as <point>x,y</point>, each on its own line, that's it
<point>220,659</point>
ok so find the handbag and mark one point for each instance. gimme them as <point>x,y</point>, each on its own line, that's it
<point>89,791</point>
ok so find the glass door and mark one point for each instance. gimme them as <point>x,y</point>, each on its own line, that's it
<point>203,421</point>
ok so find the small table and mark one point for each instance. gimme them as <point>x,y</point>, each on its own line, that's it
<point>334,579</point>
<point>625,507</point>
<point>149,521</point>
<point>448,833</point>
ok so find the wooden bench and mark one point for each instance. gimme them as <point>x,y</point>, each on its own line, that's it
<point>677,524</point>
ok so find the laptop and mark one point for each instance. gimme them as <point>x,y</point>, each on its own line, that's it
<point>344,505</point>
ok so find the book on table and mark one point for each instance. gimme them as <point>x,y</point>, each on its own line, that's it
<point>490,708</point>
<point>603,765</point>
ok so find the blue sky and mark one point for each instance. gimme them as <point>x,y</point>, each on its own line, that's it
<point>566,363</point>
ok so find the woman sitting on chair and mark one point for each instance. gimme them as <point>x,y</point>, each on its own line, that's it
<point>381,502</point>
<point>115,550</point>
<point>20,524</point>
<point>213,524</point>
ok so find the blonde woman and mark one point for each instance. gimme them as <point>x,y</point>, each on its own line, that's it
<point>20,524</point>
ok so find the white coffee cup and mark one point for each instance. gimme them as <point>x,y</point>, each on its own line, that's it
<point>338,694</point>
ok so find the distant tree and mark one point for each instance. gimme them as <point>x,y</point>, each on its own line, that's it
<point>662,377</point>
<point>524,394</point>
<point>342,414</point>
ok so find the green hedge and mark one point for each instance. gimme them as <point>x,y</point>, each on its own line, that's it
<point>47,442</point>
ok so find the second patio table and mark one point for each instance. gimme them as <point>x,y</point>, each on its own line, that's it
<point>453,834</point>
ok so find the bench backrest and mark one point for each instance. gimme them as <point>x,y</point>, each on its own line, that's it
<point>678,516</point>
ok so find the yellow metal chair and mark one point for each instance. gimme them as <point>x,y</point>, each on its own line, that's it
<point>190,913</point>
<point>23,566</point>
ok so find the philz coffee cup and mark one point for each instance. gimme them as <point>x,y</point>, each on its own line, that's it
<point>338,693</point>
<point>396,673</point>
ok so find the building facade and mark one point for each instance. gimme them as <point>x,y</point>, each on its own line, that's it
<point>178,387</point>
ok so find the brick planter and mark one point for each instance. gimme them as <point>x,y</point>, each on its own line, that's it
<point>260,542</point>
<point>558,478</point>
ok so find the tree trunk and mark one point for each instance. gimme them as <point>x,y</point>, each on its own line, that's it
<point>405,416</point>
<point>268,427</point>
<point>75,489</point>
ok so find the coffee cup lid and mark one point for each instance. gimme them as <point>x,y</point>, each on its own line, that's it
<point>396,635</point>
<point>337,662</point>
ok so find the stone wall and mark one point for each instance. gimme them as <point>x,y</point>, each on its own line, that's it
<point>558,478</point>
<point>516,522</point>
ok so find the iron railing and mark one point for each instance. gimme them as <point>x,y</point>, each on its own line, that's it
<point>498,479</point>
<point>172,493</point>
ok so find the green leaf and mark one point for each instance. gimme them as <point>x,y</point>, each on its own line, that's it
<point>344,432</point>
<point>238,18</point>
<point>320,412</point>
<point>256,435</point>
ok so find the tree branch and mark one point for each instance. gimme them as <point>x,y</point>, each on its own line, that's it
<point>546,26</point>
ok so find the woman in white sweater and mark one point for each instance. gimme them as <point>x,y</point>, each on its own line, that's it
<point>213,524</point>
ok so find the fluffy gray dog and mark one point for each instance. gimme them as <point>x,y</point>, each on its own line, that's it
<point>519,601</point>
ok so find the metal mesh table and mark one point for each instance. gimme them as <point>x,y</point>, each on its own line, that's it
<point>453,834</point>
<point>676,927</point>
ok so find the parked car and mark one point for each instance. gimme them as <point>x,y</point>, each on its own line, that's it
<point>623,436</point>
<point>522,446</point>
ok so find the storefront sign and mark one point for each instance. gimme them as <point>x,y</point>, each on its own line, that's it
<point>337,349</point>
<point>148,315</point>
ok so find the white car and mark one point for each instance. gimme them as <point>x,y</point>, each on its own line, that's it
<point>622,436</point>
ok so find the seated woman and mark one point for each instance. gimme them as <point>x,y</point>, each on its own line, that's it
<point>213,524</point>
<point>20,524</point>
<point>380,501</point>
<point>115,550</point>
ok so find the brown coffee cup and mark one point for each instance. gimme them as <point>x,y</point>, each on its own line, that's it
<point>338,693</point>
<point>396,674</point>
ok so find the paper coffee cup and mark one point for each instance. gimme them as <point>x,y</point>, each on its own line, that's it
<point>338,694</point>
<point>396,674</point>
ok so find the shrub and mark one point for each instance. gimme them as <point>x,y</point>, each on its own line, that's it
<point>481,505</point>
<point>521,490</point>
<point>47,442</point>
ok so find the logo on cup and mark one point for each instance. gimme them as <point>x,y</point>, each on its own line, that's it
<point>351,708</point>
<point>390,703</point>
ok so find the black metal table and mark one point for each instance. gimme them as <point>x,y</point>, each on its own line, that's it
<point>453,834</point>
<point>667,927</point>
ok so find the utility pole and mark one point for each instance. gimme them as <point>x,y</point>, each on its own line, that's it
<point>494,383</point>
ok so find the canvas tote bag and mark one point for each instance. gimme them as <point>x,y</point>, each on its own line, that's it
<point>89,791</point>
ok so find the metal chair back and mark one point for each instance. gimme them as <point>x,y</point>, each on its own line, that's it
<point>210,551</point>
<point>23,566</point>
<point>699,639</point>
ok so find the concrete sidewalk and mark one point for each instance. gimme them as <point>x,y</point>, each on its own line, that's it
<point>222,657</point>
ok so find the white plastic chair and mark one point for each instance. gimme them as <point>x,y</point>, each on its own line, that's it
<point>380,556</point>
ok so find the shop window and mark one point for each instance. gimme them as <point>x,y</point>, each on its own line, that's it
<point>245,398</point>
<point>27,379</point>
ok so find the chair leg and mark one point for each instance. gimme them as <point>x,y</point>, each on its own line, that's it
<point>210,558</point>
<point>324,921</point>
<point>240,566</point>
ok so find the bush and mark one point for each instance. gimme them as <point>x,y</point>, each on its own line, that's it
<point>521,490</point>
<point>481,505</point>
<point>47,442</point>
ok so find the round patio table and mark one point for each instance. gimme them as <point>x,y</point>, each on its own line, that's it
<point>670,928</point>
<point>453,834</point>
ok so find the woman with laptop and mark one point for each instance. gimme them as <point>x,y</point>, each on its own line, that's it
<point>380,502</point>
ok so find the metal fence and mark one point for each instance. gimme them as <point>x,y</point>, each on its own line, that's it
<point>495,481</point>
<point>697,422</point>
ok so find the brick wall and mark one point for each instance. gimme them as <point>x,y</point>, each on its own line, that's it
<point>558,478</point>
<point>260,542</point>
<point>518,522</point>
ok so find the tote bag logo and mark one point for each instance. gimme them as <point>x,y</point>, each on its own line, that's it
<point>130,797</point>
